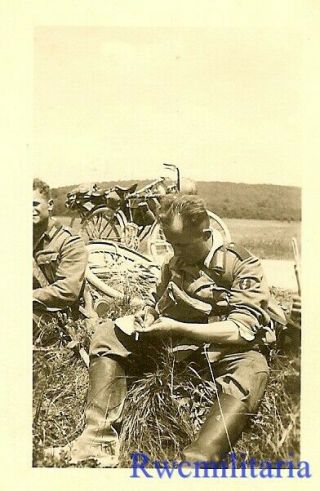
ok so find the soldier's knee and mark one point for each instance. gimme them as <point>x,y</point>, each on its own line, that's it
<point>109,340</point>
<point>257,390</point>
<point>247,379</point>
<point>259,362</point>
<point>100,341</point>
<point>257,378</point>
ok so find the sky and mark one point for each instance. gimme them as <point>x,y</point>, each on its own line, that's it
<point>115,103</point>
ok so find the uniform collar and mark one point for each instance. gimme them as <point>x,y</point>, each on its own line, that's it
<point>49,233</point>
<point>52,228</point>
<point>216,244</point>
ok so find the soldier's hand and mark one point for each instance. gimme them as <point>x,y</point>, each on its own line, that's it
<point>162,327</point>
<point>144,318</point>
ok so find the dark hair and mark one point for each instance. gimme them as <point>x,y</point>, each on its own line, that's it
<point>42,187</point>
<point>190,208</point>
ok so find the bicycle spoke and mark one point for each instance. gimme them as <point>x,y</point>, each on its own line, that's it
<point>113,229</point>
<point>93,231</point>
<point>98,225</point>
<point>144,232</point>
<point>104,228</point>
<point>90,230</point>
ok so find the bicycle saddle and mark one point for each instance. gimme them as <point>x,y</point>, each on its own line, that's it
<point>120,190</point>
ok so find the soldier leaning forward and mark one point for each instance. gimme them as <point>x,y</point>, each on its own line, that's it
<point>212,303</point>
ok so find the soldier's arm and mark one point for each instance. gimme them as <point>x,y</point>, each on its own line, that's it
<point>156,292</point>
<point>248,302</point>
<point>69,276</point>
<point>165,277</point>
<point>249,297</point>
<point>148,314</point>
<point>222,332</point>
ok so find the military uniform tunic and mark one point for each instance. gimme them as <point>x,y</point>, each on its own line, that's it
<point>228,285</point>
<point>61,257</point>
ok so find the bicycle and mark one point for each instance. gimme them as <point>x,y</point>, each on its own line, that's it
<point>119,214</point>
<point>128,216</point>
<point>97,208</point>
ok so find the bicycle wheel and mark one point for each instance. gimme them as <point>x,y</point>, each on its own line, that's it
<point>118,272</point>
<point>103,223</point>
<point>158,247</point>
<point>130,236</point>
<point>157,244</point>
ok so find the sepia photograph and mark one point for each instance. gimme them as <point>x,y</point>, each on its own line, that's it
<point>167,178</point>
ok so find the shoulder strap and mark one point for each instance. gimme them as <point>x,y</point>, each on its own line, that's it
<point>239,251</point>
<point>217,269</point>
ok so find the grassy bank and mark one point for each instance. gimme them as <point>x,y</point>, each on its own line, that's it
<point>164,409</point>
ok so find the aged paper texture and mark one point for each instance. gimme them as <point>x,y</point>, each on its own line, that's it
<point>110,90</point>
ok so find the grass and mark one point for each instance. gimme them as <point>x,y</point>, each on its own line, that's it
<point>164,409</point>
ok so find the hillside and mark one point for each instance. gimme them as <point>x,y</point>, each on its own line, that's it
<point>227,199</point>
<point>260,201</point>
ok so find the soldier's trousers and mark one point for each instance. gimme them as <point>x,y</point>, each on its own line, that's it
<point>241,374</point>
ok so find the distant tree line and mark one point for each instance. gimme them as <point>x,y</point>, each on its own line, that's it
<point>227,199</point>
<point>260,201</point>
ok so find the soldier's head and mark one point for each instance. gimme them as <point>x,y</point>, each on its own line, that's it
<point>42,202</point>
<point>185,223</point>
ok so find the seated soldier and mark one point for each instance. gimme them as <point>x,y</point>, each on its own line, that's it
<point>212,303</point>
<point>59,261</point>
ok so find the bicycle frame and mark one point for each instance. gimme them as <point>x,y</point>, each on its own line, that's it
<point>132,225</point>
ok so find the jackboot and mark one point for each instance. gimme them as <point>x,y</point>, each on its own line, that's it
<point>212,442</point>
<point>99,440</point>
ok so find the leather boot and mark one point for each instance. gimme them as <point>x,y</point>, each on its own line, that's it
<point>105,399</point>
<point>212,441</point>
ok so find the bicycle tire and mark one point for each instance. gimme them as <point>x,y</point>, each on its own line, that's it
<point>111,265</point>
